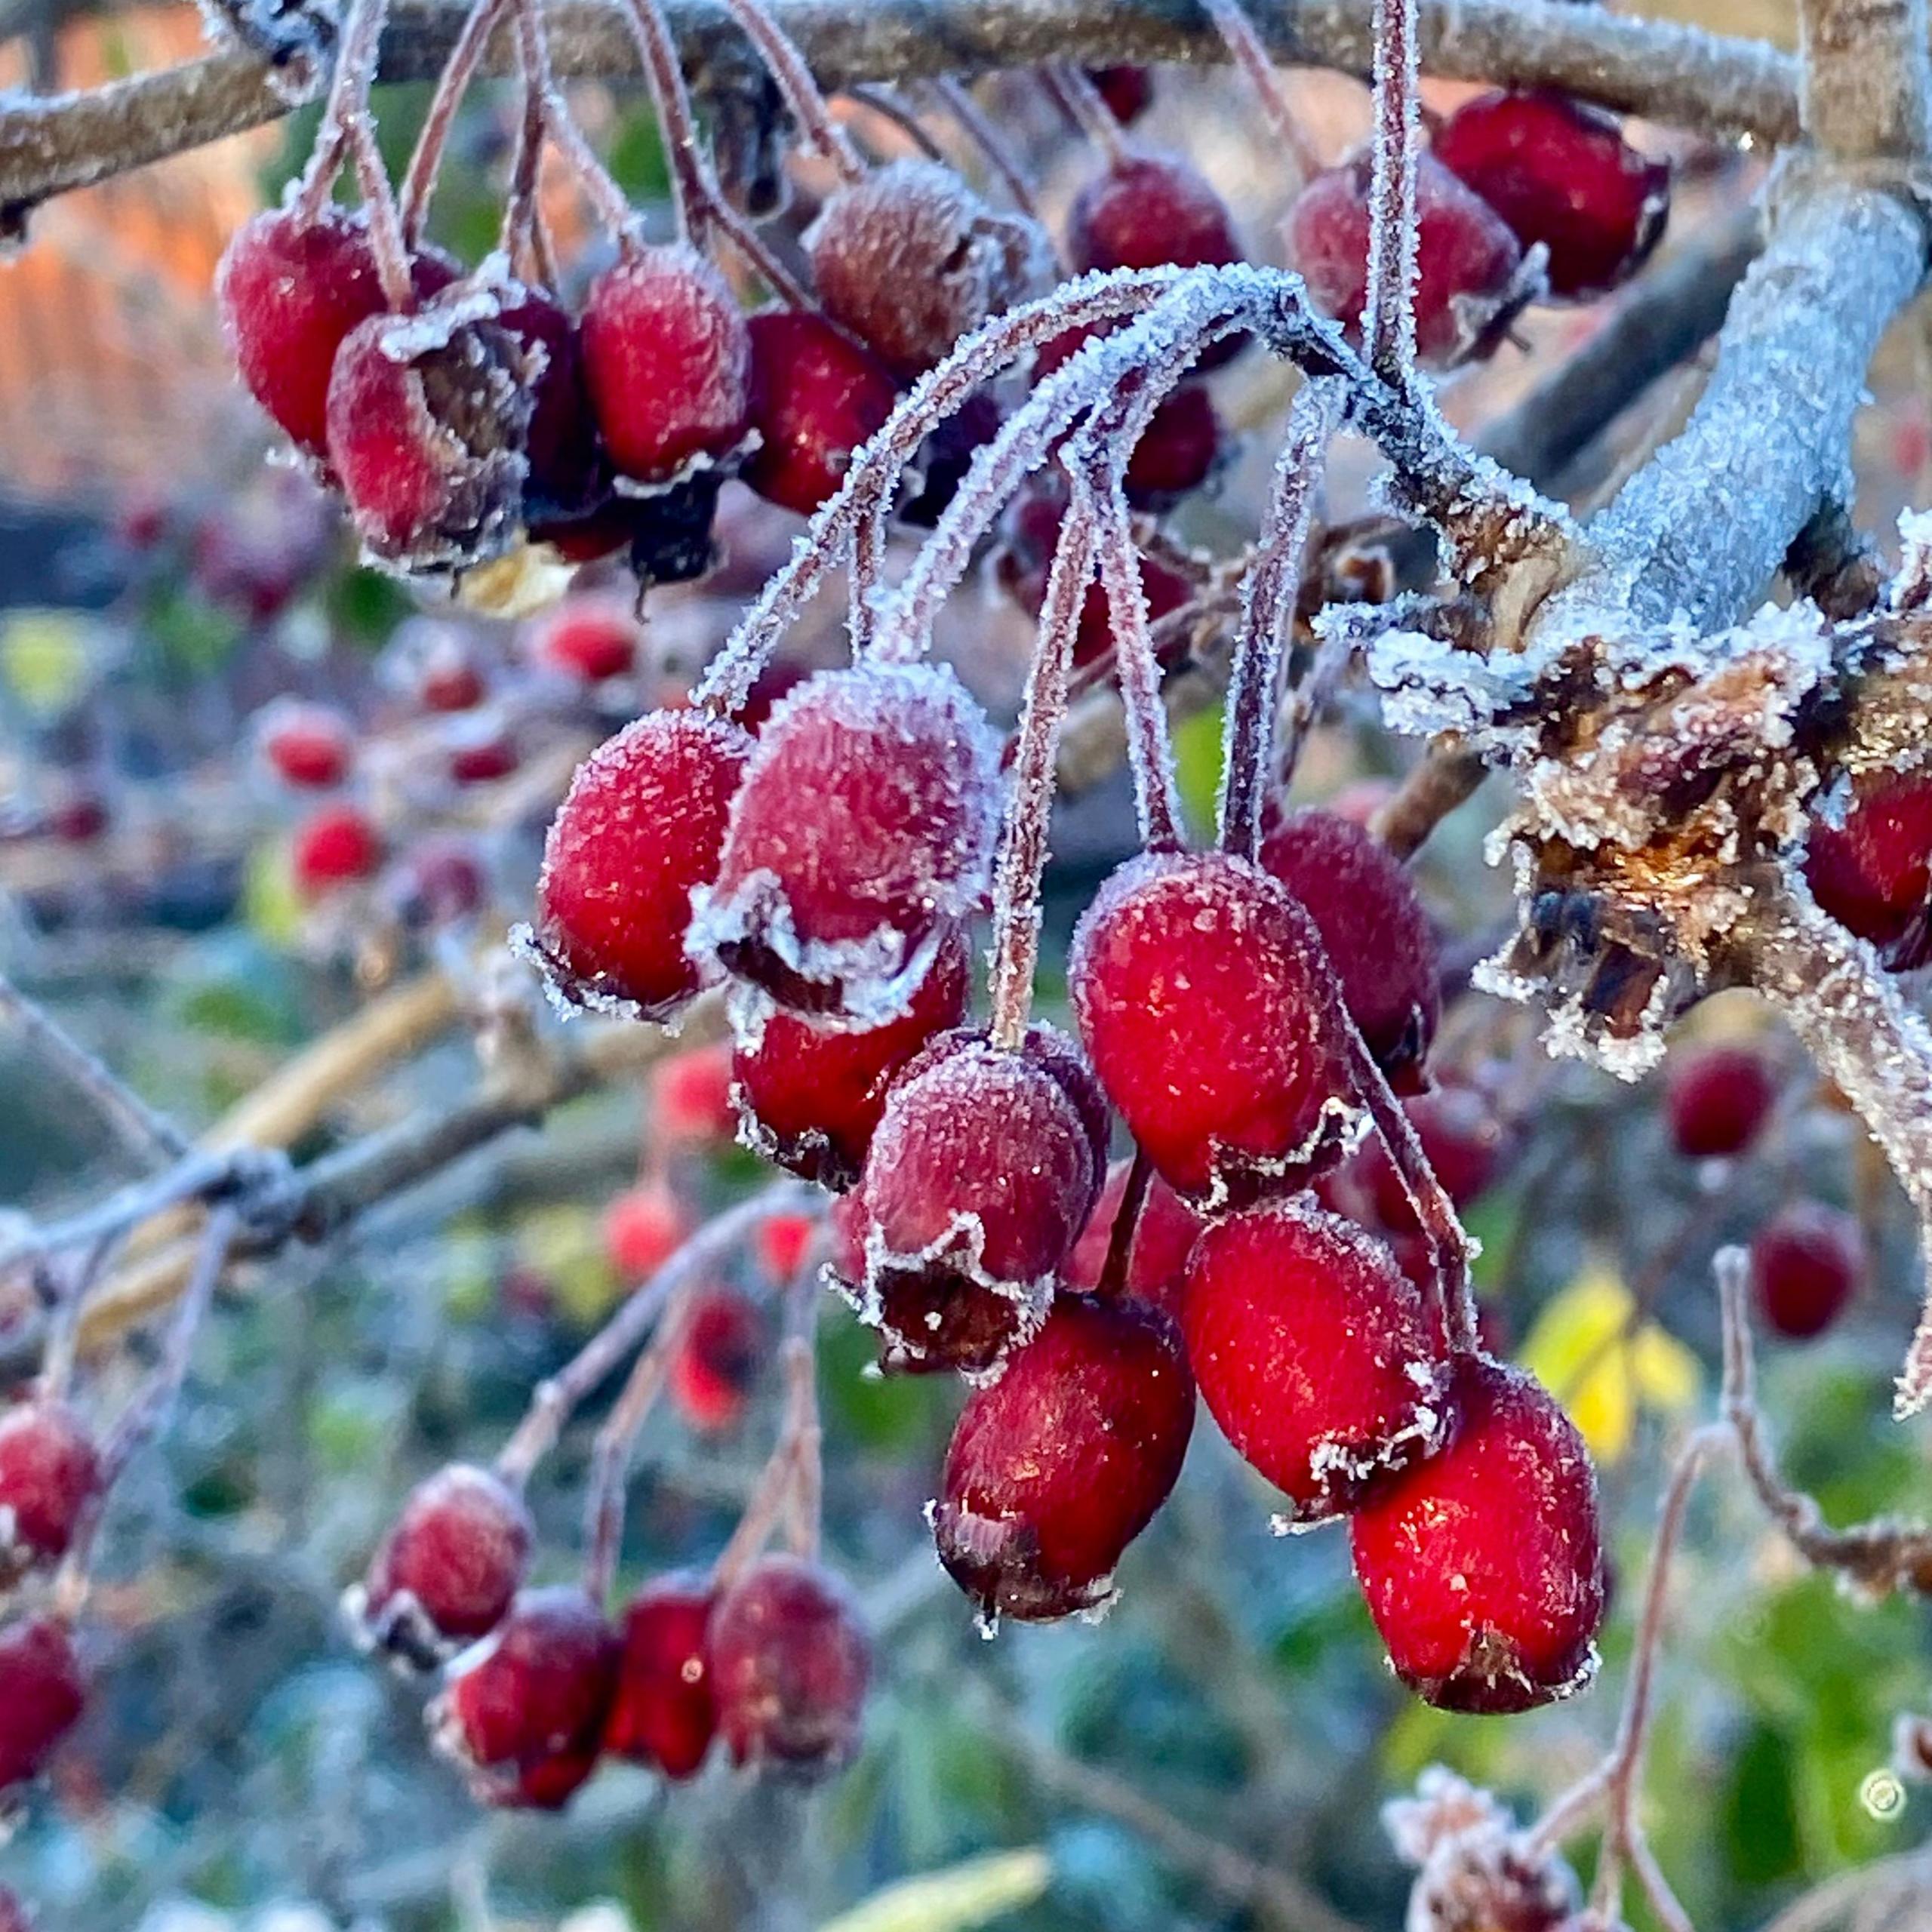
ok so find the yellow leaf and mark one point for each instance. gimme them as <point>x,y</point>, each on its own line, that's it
<point>270,904</point>
<point>962,1896</point>
<point>46,659</point>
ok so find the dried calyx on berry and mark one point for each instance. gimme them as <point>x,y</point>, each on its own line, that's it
<point>1483,1566</point>
<point>643,824</point>
<point>1315,1354</point>
<point>1055,1467</point>
<point>448,1570</point>
<point>863,832</point>
<point>42,1692</point>
<point>1474,1868</point>
<point>50,1477</point>
<point>790,1662</point>
<point>665,1714</point>
<point>1211,1017</point>
<point>524,1711</point>
<point>910,260</point>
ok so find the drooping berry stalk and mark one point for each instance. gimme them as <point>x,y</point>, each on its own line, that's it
<point>1233,24</point>
<point>800,90</point>
<point>957,99</point>
<point>1126,1224</point>
<point>1085,106</point>
<point>1388,322</point>
<point>788,1487</point>
<point>419,180</point>
<point>1268,593</point>
<point>546,115</point>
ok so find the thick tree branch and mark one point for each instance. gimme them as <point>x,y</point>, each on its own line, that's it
<point>1668,72</point>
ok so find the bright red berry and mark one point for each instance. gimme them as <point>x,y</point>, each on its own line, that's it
<point>589,638</point>
<point>1163,1237</point>
<point>717,1357</point>
<point>809,1096</point>
<point>782,1242</point>
<point>1055,1467</point>
<point>49,1475</point>
<point>1807,1263</point>
<point>643,1228</point>
<point>427,418</point>
<point>563,459</point>
<point>643,824</point>
<point>910,260</point>
<point>449,1568</point>
<point>664,1715</point>
<point>1462,1139</point>
<point>667,361</point>
<point>816,397</point>
<point>523,1712</point>
<point>1717,1101</point>
<point>1128,91</point>
<point>1482,1566</point>
<point>789,1661</point>
<point>1210,1014</point>
<point>1465,263</point>
<point>309,745</point>
<point>1314,1353</point>
<point>1377,937</point>
<point>334,846</point>
<point>839,906</point>
<point>1560,172</point>
<point>690,1094</point>
<point>42,1691</point>
<point>1874,873</point>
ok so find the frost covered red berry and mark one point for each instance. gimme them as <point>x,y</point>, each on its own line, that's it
<point>817,396</point>
<point>1873,873</point>
<point>664,1714</point>
<point>50,1477</point>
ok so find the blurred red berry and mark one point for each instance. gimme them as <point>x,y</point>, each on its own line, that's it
<point>664,1714</point>
<point>589,638</point>
<point>1717,1101</point>
<point>334,846</point>
<point>783,1242</point>
<point>690,1094</point>
<point>309,745</point>
<point>717,1357</point>
<point>643,1228</point>
<point>42,1691</point>
<point>1807,1263</point>
<point>50,1476</point>
<point>483,757</point>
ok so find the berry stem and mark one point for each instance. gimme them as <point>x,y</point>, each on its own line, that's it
<point>523,228</point>
<point>1126,1221</point>
<point>1085,107</point>
<point>556,1399</point>
<point>794,1463</point>
<point>1269,593</point>
<point>1389,328</point>
<point>386,241</point>
<point>419,180</point>
<point>546,110</point>
<point>1023,853</point>
<point>1236,31</point>
<point>803,98</point>
<point>957,99</point>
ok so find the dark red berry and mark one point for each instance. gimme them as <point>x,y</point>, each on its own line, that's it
<point>309,746</point>
<point>1211,1015</point>
<point>1483,1566</point>
<point>523,1712</point>
<point>1178,451</point>
<point>50,1474</point>
<point>816,397</point>
<point>1466,264</point>
<point>643,824</point>
<point>79,819</point>
<point>1463,1141</point>
<point>563,458</point>
<point>840,907</point>
<point>664,1715</point>
<point>1560,172</point>
<point>1874,873</point>
<point>334,846</point>
<point>1807,1263</point>
<point>1146,210</point>
<point>910,260</point>
<point>427,418</point>
<point>440,881</point>
<point>643,1228</point>
<point>1718,1100</point>
<point>779,677</point>
<point>716,1359</point>
<point>1128,91</point>
<point>42,1691</point>
<point>482,757</point>
<point>1163,1237</point>
<point>667,362</point>
<point>809,1097</point>
<point>1377,937</point>
<point>789,1662</point>
<point>1314,1353</point>
<point>448,1570</point>
<point>289,289</point>
<point>1055,1467</point>
<point>588,639</point>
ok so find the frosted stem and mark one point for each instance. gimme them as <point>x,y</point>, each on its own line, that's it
<point>522,225</point>
<point>694,193</point>
<point>794,1453</point>
<point>355,58</point>
<point>385,241</point>
<point>1243,44</point>
<point>1867,85</point>
<point>1270,590</point>
<point>419,180</point>
<point>1083,104</point>
<point>958,101</point>
<point>799,90</point>
<point>1389,327</point>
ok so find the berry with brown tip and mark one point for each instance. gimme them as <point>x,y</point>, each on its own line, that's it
<point>666,362</point>
<point>309,746</point>
<point>790,1661</point>
<point>817,396</point>
<point>1055,1468</point>
<point>1377,937</point>
<point>1211,1015</point>
<point>588,639</point>
<point>910,260</point>
<point>1561,173</point>
<point>1807,1263</point>
<point>448,1570</point>
<point>664,1714</point>
<point>810,1097</point>
<point>42,1691</point>
<point>1482,1566</point>
<point>1466,289</point>
<point>841,907</point>
<point>1873,874</point>
<point>1718,1100</point>
<point>334,847</point>
<point>50,1475</point>
<point>1163,1237</point>
<point>717,1357</point>
<point>523,1712</point>
<point>1314,1353</point>
<point>642,825</point>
